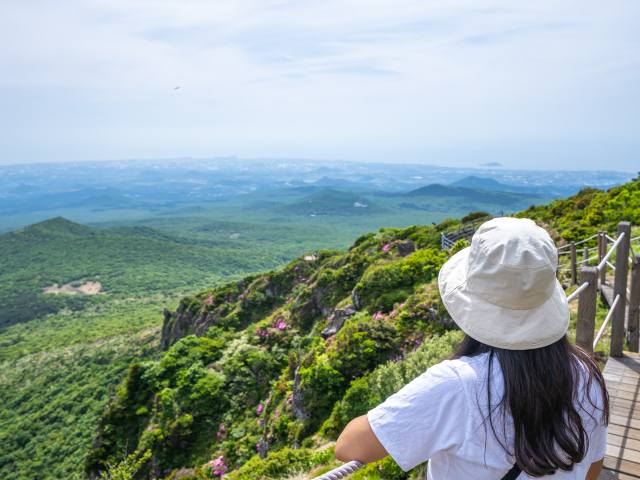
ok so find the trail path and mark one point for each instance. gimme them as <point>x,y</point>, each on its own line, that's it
<point>622,460</point>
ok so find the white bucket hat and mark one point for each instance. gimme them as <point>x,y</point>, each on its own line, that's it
<point>503,291</point>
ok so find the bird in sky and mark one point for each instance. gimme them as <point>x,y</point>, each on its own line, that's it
<point>176,88</point>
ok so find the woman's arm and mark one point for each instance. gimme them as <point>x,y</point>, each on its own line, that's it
<point>358,442</point>
<point>594,470</point>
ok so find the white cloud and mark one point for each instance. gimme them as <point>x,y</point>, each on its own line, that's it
<point>547,81</point>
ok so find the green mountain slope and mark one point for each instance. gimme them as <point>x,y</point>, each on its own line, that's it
<point>332,202</point>
<point>269,369</point>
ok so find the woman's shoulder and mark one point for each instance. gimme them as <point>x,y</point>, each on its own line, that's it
<point>464,368</point>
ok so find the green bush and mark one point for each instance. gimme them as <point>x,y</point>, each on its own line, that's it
<point>280,464</point>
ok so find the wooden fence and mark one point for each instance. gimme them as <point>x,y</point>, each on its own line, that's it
<point>594,279</point>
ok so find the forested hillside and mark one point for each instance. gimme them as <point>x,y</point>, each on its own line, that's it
<point>269,365</point>
<point>130,262</point>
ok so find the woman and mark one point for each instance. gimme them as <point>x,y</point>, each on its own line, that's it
<point>516,396</point>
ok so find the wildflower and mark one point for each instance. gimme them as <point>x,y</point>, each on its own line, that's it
<point>380,468</point>
<point>296,268</point>
<point>277,413</point>
<point>257,446</point>
<point>259,411</point>
<point>386,248</point>
<point>222,427</point>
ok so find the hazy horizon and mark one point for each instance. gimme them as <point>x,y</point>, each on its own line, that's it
<point>537,86</point>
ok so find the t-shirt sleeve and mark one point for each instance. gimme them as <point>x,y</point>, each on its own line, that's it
<point>427,416</point>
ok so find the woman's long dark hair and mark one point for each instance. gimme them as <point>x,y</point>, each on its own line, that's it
<point>542,389</point>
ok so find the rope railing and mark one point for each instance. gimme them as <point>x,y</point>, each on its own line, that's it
<point>578,243</point>
<point>581,261</point>
<point>606,321</point>
<point>575,294</point>
<point>342,471</point>
<point>610,252</point>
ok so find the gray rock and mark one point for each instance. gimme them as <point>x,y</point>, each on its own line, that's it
<point>357,300</point>
<point>316,295</point>
<point>297,407</point>
<point>308,308</point>
<point>263,447</point>
<point>406,248</point>
<point>177,326</point>
<point>447,323</point>
<point>183,472</point>
<point>337,322</point>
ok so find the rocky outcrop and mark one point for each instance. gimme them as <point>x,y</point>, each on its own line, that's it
<point>182,323</point>
<point>263,448</point>
<point>337,320</point>
<point>357,300</point>
<point>406,248</point>
<point>297,407</point>
<point>447,323</point>
<point>316,295</point>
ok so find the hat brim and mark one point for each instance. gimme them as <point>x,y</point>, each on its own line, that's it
<point>498,326</point>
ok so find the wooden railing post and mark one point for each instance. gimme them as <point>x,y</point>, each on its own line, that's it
<point>634,306</point>
<point>585,256</point>
<point>603,252</point>
<point>587,308</point>
<point>574,271</point>
<point>620,288</point>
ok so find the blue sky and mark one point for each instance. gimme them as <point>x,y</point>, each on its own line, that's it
<point>542,84</point>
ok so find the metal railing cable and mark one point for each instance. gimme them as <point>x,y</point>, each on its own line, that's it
<point>606,321</point>
<point>342,471</point>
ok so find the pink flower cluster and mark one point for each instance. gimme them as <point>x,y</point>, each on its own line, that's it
<point>389,245</point>
<point>209,301</point>
<point>277,413</point>
<point>259,411</point>
<point>218,466</point>
<point>280,325</point>
<point>290,399</point>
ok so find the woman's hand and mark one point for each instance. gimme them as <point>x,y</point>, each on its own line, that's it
<point>358,442</point>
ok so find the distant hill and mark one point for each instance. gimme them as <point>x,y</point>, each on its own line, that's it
<point>332,202</point>
<point>132,261</point>
<point>476,195</point>
<point>488,184</point>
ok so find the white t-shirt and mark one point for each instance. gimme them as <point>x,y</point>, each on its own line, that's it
<point>438,417</point>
